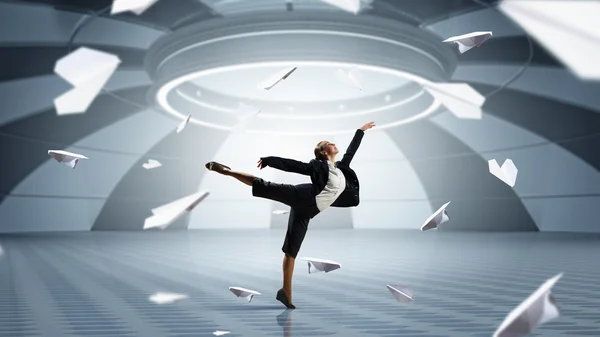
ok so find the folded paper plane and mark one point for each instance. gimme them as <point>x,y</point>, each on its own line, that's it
<point>221,333</point>
<point>243,292</point>
<point>166,298</point>
<point>165,215</point>
<point>87,70</point>
<point>68,158</point>
<point>352,6</point>
<point>537,309</point>
<point>319,265</point>
<point>440,216</point>
<point>403,294</point>
<point>467,41</point>
<point>567,29</point>
<point>246,115</point>
<point>183,123</point>
<point>136,6</point>
<point>459,98</point>
<point>276,78</point>
<point>151,164</point>
<point>352,77</point>
<point>280,211</point>
<point>507,172</point>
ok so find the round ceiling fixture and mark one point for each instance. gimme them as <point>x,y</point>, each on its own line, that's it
<point>335,120</point>
<point>224,59</point>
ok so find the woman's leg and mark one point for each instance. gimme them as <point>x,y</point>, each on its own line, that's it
<point>284,193</point>
<point>288,273</point>
<point>246,178</point>
<point>297,227</point>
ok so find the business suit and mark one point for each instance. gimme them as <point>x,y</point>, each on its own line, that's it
<point>301,198</point>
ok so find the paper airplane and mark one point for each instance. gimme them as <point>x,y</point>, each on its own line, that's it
<point>507,173</point>
<point>537,309</point>
<point>165,215</point>
<point>68,158</point>
<point>439,217</point>
<point>220,333</point>
<point>136,6</point>
<point>280,212</point>
<point>183,123</point>
<point>246,114</point>
<point>352,6</point>
<point>276,78</point>
<point>243,292</point>
<point>459,98</point>
<point>401,293</point>
<point>467,41</point>
<point>319,265</point>
<point>567,29</point>
<point>351,78</point>
<point>87,70</point>
<point>151,164</point>
<point>167,298</point>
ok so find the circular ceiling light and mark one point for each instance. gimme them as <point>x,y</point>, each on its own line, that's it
<point>423,105</point>
<point>313,92</point>
<point>405,54</point>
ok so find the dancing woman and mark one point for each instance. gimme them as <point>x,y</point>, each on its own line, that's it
<point>333,184</point>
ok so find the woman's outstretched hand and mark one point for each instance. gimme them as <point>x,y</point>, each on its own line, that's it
<point>368,126</point>
<point>260,164</point>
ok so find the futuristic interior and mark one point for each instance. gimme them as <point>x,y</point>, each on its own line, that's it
<point>131,129</point>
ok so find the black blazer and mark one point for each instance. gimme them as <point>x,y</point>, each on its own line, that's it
<point>318,170</point>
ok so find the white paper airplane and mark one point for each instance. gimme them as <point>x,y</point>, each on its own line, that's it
<point>352,6</point>
<point>459,98</point>
<point>246,115</point>
<point>439,217</point>
<point>467,41</point>
<point>319,265</point>
<point>183,123</point>
<point>136,6</point>
<point>165,215</point>
<point>87,70</point>
<point>243,292</point>
<point>166,298</point>
<point>280,211</point>
<point>567,29</point>
<point>507,173</point>
<point>352,77</point>
<point>276,78</point>
<point>68,158</point>
<point>151,164</point>
<point>220,333</point>
<point>403,294</point>
<point>537,309</point>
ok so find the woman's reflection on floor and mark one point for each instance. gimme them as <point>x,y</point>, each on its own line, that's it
<point>284,320</point>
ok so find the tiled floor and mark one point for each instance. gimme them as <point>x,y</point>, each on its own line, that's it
<point>97,284</point>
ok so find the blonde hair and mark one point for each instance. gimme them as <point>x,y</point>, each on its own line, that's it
<point>320,148</point>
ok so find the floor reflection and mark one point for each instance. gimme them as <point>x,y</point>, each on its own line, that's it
<point>284,320</point>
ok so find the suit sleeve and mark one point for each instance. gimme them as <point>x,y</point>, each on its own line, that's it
<point>287,165</point>
<point>353,147</point>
